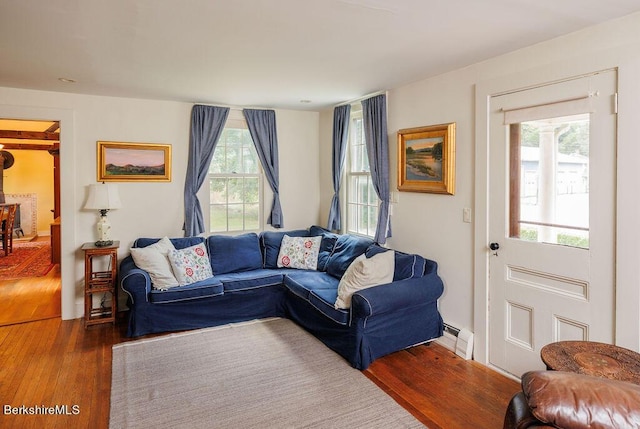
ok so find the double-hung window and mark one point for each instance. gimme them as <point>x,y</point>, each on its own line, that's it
<point>235,181</point>
<point>362,200</point>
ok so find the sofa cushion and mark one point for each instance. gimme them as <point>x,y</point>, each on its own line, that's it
<point>299,252</point>
<point>327,244</point>
<point>202,289</point>
<point>302,282</point>
<point>246,280</point>
<point>323,300</point>
<point>154,260</point>
<point>407,266</point>
<point>364,273</point>
<point>346,250</point>
<point>178,243</point>
<point>270,242</point>
<point>233,254</point>
<point>191,264</point>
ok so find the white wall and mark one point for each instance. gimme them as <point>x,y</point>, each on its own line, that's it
<point>432,224</point>
<point>149,209</point>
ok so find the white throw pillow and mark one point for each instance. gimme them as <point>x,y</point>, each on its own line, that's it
<point>364,273</point>
<point>299,252</point>
<point>191,264</point>
<point>153,259</point>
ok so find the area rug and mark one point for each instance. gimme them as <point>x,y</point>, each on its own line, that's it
<point>28,259</point>
<point>261,374</point>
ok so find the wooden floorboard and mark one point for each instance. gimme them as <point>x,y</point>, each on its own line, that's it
<point>29,299</point>
<point>50,362</point>
<point>443,390</point>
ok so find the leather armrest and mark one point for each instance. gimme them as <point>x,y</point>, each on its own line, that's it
<point>519,415</point>
<point>569,400</point>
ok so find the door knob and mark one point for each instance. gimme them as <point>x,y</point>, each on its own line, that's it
<point>494,246</point>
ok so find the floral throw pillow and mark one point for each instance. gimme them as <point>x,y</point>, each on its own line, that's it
<point>299,252</point>
<point>190,264</point>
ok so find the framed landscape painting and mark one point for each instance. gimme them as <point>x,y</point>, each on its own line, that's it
<point>132,162</point>
<point>426,159</point>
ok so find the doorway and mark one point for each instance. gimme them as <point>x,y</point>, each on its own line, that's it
<point>30,281</point>
<point>551,218</point>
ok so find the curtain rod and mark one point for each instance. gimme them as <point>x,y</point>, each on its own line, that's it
<point>364,97</point>
<point>234,107</point>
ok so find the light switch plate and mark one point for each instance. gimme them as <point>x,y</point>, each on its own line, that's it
<point>466,215</point>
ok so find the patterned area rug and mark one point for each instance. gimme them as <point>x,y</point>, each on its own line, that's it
<point>255,375</point>
<point>28,259</point>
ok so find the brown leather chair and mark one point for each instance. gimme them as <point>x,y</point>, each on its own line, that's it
<point>556,399</point>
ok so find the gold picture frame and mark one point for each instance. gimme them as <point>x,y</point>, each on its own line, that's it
<point>427,158</point>
<point>133,162</point>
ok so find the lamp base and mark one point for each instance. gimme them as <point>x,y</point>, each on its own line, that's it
<point>103,243</point>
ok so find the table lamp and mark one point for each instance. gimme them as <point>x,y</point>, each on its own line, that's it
<point>103,197</point>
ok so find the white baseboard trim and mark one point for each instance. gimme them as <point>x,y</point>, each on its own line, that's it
<point>448,341</point>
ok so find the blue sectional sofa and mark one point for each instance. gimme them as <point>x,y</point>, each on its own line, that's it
<point>248,284</point>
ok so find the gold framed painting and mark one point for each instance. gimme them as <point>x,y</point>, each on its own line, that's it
<point>426,159</point>
<point>134,162</point>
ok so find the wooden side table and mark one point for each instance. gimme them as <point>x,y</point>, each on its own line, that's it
<point>100,280</point>
<point>591,358</point>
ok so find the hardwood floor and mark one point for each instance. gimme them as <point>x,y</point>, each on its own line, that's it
<point>442,390</point>
<point>29,299</point>
<point>52,363</point>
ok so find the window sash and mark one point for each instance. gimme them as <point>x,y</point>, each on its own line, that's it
<point>362,200</point>
<point>235,182</point>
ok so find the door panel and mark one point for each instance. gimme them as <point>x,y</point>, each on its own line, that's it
<point>541,291</point>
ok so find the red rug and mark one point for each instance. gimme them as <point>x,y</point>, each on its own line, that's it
<point>28,259</point>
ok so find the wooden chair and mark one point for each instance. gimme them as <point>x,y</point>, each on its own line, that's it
<point>4,216</point>
<point>8,219</point>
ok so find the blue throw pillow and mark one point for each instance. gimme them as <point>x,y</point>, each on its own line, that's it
<point>347,248</point>
<point>327,244</point>
<point>178,243</point>
<point>270,242</point>
<point>233,254</point>
<point>406,266</point>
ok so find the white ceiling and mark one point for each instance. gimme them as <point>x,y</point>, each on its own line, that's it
<point>268,53</point>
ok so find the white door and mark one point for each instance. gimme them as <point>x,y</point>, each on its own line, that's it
<point>551,218</point>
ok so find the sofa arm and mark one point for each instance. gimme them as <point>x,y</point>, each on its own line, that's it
<point>395,296</point>
<point>570,400</point>
<point>134,281</point>
<point>518,415</point>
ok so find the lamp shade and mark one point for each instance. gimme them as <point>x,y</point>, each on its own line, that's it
<point>103,197</point>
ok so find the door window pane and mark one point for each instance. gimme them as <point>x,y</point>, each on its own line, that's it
<point>549,181</point>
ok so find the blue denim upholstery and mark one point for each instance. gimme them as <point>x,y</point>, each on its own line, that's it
<point>347,248</point>
<point>382,319</point>
<point>201,289</point>
<point>234,254</point>
<point>406,266</point>
<point>326,245</point>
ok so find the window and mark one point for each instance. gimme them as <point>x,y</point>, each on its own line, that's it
<point>235,179</point>
<point>362,200</point>
<point>550,181</point>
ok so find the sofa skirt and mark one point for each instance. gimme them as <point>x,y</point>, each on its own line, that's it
<point>237,306</point>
